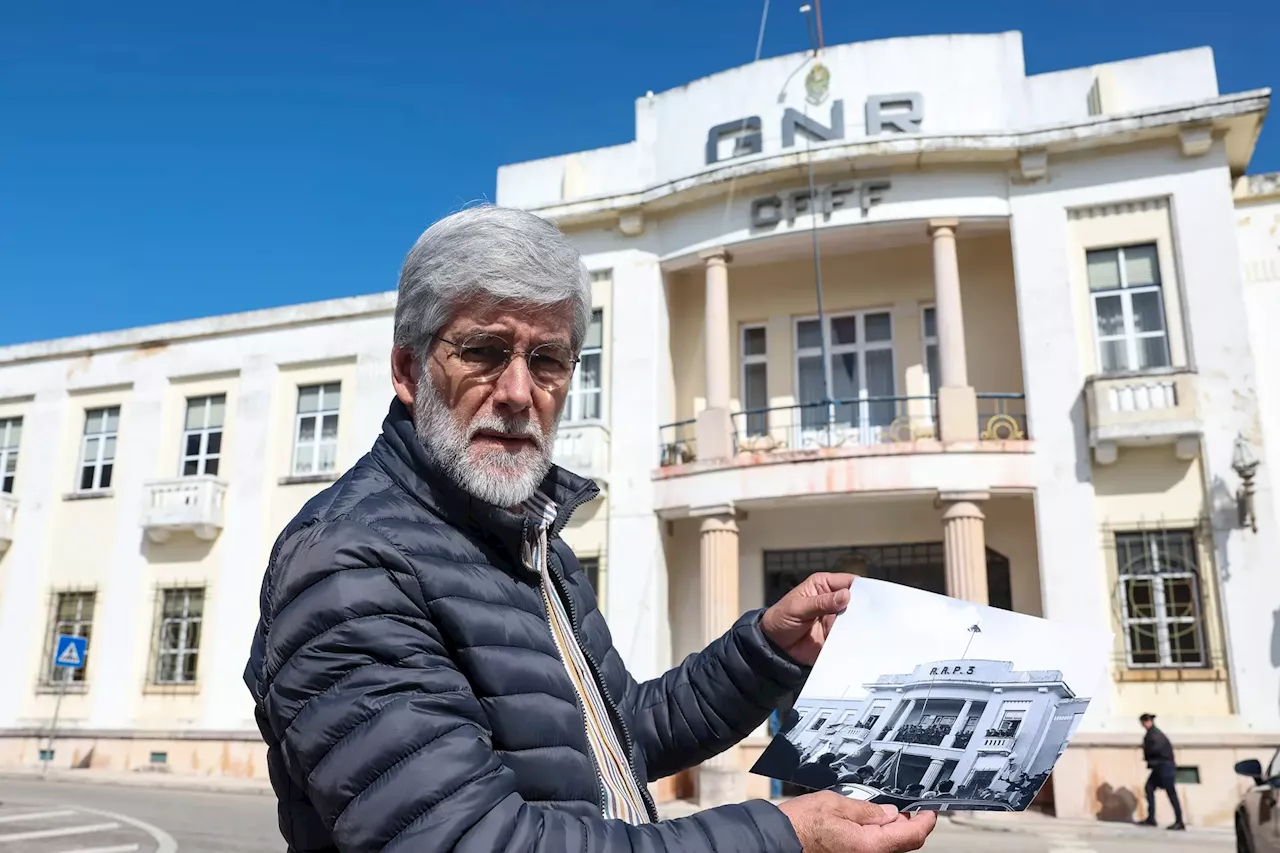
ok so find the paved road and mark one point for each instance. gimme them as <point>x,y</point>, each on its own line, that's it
<point>88,818</point>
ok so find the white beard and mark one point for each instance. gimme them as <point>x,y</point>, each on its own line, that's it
<point>493,475</point>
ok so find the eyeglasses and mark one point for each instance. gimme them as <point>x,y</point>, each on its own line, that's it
<point>485,357</point>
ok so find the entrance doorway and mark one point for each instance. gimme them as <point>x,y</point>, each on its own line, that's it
<point>921,565</point>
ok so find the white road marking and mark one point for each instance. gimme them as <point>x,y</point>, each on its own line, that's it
<point>164,841</point>
<point>83,829</point>
<point>17,818</point>
<point>123,848</point>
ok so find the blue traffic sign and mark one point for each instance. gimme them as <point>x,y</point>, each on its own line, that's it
<point>69,652</point>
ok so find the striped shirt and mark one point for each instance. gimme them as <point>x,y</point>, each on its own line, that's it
<point>622,797</point>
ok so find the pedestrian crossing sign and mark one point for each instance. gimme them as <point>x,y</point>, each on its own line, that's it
<point>69,652</point>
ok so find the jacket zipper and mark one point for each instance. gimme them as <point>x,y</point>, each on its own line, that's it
<point>558,580</point>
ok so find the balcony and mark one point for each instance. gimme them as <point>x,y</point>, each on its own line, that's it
<point>997,743</point>
<point>8,516</point>
<point>583,448</point>
<point>1132,410</point>
<point>193,504</point>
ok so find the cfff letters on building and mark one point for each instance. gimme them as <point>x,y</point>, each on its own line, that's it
<point>898,113</point>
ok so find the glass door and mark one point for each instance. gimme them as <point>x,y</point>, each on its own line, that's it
<point>860,372</point>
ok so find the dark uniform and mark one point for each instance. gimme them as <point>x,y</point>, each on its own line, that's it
<point>1157,751</point>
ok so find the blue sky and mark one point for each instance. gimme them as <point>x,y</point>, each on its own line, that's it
<point>160,161</point>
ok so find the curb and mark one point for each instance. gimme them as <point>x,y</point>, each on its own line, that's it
<point>1092,829</point>
<point>190,784</point>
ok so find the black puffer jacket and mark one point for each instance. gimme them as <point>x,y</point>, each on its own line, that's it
<point>412,698</point>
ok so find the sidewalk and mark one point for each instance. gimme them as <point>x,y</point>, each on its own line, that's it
<point>1039,825</point>
<point>1042,825</point>
<point>144,779</point>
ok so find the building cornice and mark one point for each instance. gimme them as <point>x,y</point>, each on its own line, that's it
<point>921,150</point>
<point>143,337</point>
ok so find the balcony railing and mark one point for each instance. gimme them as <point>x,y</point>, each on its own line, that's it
<point>868,421</point>
<point>8,517</point>
<point>997,743</point>
<point>926,735</point>
<point>835,423</point>
<point>1151,407</point>
<point>186,503</point>
<point>583,448</point>
<point>678,443</point>
<point>1002,417</point>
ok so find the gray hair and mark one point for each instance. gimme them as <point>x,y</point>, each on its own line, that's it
<point>498,255</point>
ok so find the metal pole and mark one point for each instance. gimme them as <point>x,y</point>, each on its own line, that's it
<point>53,727</point>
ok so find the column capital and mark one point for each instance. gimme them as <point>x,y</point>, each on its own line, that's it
<point>936,225</point>
<point>970,496</point>
<point>725,510</point>
<point>963,509</point>
<point>718,255</point>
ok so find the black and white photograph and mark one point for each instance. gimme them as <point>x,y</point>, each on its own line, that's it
<point>928,702</point>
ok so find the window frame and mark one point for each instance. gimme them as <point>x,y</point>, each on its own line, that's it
<point>575,399</point>
<point>755,424</point>
<point>9,452</point>
<point>50,675</point>
<point>1130,335</point>
<point>926,341</point>
<point>99,462</point>
<point>1157,578</point>
<point>861,347</point>
<point>316,442</point>
<point>202,455</point>
<point>184,650</point>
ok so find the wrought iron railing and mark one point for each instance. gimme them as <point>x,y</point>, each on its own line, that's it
<point>836,423</point>
<point>678,443</point>
<point>847,423</point>
<point>1002,417</point>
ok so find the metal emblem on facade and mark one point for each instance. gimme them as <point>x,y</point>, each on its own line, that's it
<point>817,84</point>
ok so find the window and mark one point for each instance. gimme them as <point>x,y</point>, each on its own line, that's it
<point>591,566</point>
<point>98,453</point>
<point>178,635</point>
<point>819,721</point>
<point>72,615</point>
<point>1128,308</point>
<point>10,437</point>
<point>202,435</point>
<point>755,381</point>
<point>860,366</point>
<point>932,366</point>
<point>1010,722</point>
<point>585,388</point>
<point>315,448</point>
<point>1160,599</point>
<point>1273,770</point>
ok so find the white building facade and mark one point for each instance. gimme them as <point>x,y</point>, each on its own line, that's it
<point>1024,385</point>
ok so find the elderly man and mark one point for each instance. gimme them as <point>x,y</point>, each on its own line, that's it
<point>430,669</point>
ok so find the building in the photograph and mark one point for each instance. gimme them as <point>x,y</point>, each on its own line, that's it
<point>979,725</point>
<point>1033,380</point>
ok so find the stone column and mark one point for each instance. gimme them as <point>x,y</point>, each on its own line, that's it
<point>964,541</point>
<point>950,740</point>
<point>721,779</point>
<point>715,427</point>
<point>901,721</point>
<point>957,404</point>
<point>931,775</point>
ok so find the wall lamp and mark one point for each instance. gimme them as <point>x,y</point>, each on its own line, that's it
<point>1245,463</point>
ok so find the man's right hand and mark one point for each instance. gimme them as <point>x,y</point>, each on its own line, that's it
<point>829,823</point>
